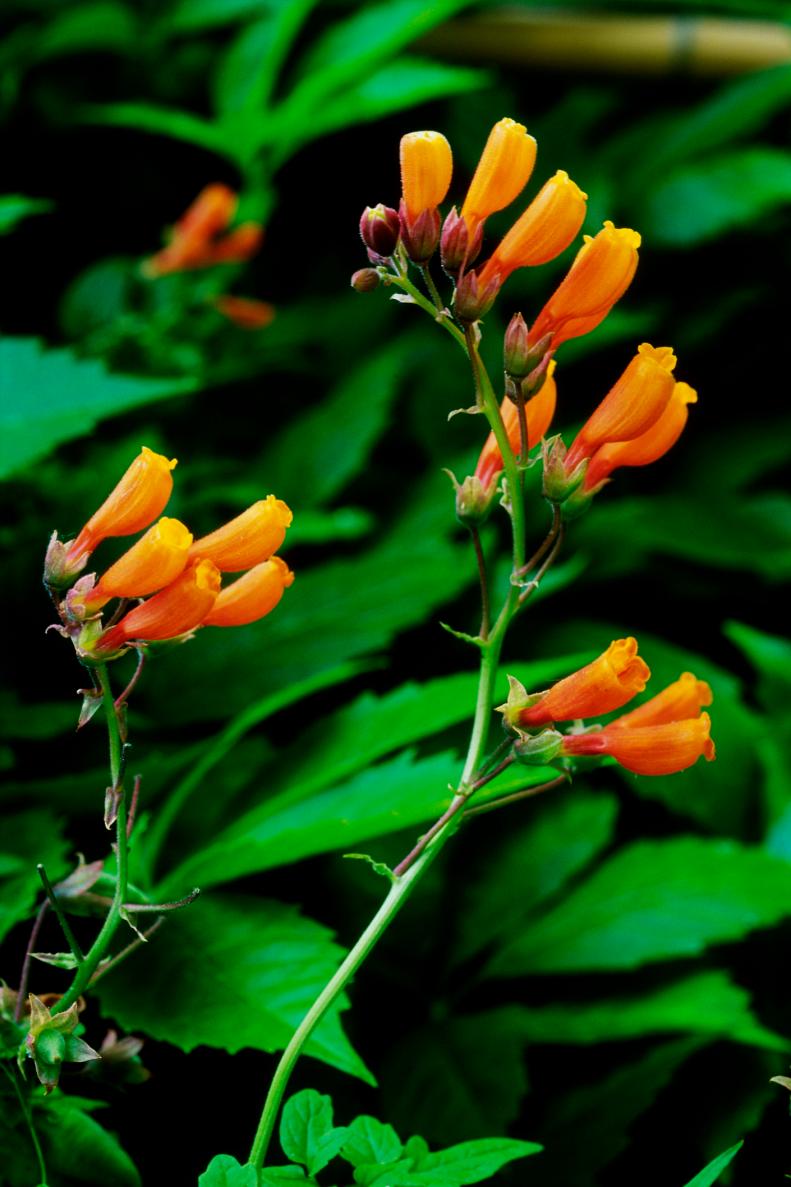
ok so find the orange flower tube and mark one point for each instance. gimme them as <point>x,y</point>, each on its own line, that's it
<point>252,595</point>
<point>649,446</point>
<point>139,498</point>
<point>152,563</point>
<point>599,276</point>
<point>683,698</point>
<point>235,247</point>
<point>247,540</point>
<point>209,214</point>
<point>245,312</point>
<point>606,684</point>
<point>632,405</point>
<point>543,231</point>
<point>649,749</point>
<point>538,411</point>
<point>178,608</point>
<point>426,169</point>
<point>501,174</point>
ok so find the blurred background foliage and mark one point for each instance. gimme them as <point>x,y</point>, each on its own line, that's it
<point>602,972</point>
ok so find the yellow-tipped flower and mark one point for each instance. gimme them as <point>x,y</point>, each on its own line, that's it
<point>247,540</point>
<point>544,230</point>
<point>136,501</point>
<point>649,446</point>
<point>251,596</point>
<point>152,563</point>
<point>426,169</point>
<point>178,608</point>
<point>599,276</point>
<point>501,174</point>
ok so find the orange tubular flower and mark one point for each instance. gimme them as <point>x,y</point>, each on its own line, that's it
<point>649,749</point>
<point>247,540</point>
<point>426,168</point>
<point>139,498</point>
<point>682,699</point>
<point>244,312</point>
<point>538,411</point>
<point>501,174</point>
<point>649,446</point>
<point>252,596</point>
<point>599,277</point>
<point>635,403</point>
<point>178,608</point>
<point>544,230</point>
<point>195,241</point>
<point>152,563</point>
<point>606,684</point>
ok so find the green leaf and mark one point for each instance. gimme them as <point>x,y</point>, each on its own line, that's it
<point>627,912</point>
<point>248,968</point>
<point>712,1172</point>
<point>248,71</point>
<point>599,1116</point>
<point>77,1148</point>
<point>28,838</point>
<point>97,297</point>
<point>193,16</point>
<point>470,1162</point>
<point>163,121</point>
<point>51,396</point>
<point>717,195</point>
<point>770,655</point>
<point>368,1140</point>
<point>704,1003</point>
<point>316,455</point>
<point>277,1176</point>
<point>225,1171</point>
<point>14,208</point>
<point>558,839</point>
<point>101,26</point>
<point>307,1134</point>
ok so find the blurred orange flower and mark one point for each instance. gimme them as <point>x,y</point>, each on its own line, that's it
<point>197,241</point>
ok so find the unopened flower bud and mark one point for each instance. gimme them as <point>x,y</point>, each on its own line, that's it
<point>516,348</point>
<point>457,250</point>
<point>380,228</point>
<point>471,301</point>
<point>365,280</point>
<point>420,235</point>
<point>473,498</point>
<point>559,482</point>
<point>538,749</point>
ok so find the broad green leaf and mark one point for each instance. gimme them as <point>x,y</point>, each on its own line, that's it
<point>456,1078</point>
<point>282,1176</point>
<point>51,396</point>
<point>28,838</point>
<point>225,1171</point>
<point>193,16</point>
<point>79,1149</point>
<point>627,912</point>
<point>554,842</point>
<point>163,121</point>
<point>248,71</point>
<point>330,527</point>
<point>704,1003</point>
<point>470,1162</point>
<point>712,1172</point>
<point>14,208</point>
<point>97,297</point>
<point>315,456</point>
<point>248,968</point>
<point>307,1134</point>
<point>770,655</point>
<point>368,1140</point>
<point>599,1115</point>
<point>717,195</point>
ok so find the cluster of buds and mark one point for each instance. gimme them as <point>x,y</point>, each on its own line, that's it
<point>660,737</point>
<point>183,575</point>
<point>202,239</point>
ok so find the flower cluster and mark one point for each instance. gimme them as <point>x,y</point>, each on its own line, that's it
<point>661,736</point>
<point>646,410</point>
<point>202,239</point>
<point>182,575</point>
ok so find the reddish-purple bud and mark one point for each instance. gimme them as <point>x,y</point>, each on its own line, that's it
<point>421,236</point>
<point>380,228</point>
<point>456,250</point>
<point>365,281</point>
<point>471,301</point>
<point>516,348</point>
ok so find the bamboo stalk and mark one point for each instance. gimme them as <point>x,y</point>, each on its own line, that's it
<point>614,43</point>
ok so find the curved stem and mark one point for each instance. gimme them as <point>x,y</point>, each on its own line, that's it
<point>433,292</point>
<point>444,319</point>
<point>27,1113</point>
<point>100,945</point>
<point>481,561</point>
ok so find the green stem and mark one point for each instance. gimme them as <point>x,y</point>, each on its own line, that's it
<point>433,292</point>
<point>444,319</point>
<point>487,400</point>
<point>100,945</point>
<point>28,1115</point>
<point>400,891</point>
<point>71,939</point>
